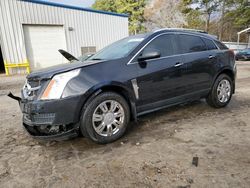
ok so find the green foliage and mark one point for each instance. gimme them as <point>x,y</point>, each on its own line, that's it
<point>134,8</point>
<point>240,14</point>
<point>105,5</point>
<point>194,20</point>
<point>221,17</point>
<point>230,16</point>
<point>206,7</point>
<point>193,15</point>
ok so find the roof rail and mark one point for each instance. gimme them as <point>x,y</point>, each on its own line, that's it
<point>182,29</point>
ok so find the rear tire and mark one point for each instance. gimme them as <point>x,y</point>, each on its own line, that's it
<point>221,92</point>
<point>105,118</point>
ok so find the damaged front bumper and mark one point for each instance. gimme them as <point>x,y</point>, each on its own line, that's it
<point>38,133</point>
<point>51,119</point>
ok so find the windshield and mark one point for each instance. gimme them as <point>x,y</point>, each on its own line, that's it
<point>118,49</point>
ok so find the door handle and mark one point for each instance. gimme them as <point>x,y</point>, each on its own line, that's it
<point>178,64</point>
<point>211,56</point>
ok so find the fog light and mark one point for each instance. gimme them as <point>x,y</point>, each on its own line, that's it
<point>54,129</point>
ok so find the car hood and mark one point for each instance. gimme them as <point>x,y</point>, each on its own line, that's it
<point>48,73</point>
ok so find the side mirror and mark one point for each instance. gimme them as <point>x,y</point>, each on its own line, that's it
<point>149,55</point>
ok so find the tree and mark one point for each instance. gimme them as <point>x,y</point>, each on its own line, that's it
<point>206,7</point>
<point>240,13</point>
<point>162,13</point>
<point>225,7</point>
<point>105,5</point>
<point>236,18</point>
<point>194,18</point>
<point>134,8</point>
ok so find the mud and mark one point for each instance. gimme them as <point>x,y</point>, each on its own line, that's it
<point>156,152</point>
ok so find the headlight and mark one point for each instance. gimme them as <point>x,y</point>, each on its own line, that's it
<point>56,86</point>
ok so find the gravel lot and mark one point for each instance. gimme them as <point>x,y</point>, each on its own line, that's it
<point>157,152</point>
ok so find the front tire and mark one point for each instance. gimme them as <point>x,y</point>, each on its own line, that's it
<point>105,118</point>
<point>221,93</point>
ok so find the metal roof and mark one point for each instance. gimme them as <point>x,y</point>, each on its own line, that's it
<point>244,31</point>
<point>75,7</point>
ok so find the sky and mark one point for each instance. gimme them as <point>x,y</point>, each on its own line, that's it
<point>81,3</point>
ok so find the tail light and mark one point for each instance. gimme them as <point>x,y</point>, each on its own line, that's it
<point>232,52</point>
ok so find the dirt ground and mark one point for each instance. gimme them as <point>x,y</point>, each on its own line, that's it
<point>156,152</point>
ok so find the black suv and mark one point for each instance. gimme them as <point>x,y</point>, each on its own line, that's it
<point>99,96</point>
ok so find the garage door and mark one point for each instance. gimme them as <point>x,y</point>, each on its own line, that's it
<point>42,43</point>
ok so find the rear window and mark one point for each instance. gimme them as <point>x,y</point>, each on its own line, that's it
<point>210,44</point>
<point>189,43</point>
<point>221,45</point>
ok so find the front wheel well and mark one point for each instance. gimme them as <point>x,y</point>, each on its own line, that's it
<point>125,94</point>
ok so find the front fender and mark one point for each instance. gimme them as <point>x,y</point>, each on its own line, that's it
<point>115,86</point>
<point>88,89</point>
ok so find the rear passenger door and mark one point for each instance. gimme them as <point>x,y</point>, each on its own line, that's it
<point>199,61</point>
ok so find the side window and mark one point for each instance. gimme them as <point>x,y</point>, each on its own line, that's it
<point>220,45</point>
<point>190,43</point>
<point>210,44</point>
<point>163,44</point>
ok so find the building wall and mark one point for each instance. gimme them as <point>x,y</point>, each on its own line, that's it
<point>89,28</point>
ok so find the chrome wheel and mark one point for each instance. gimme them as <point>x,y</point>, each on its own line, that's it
<point>108,118</point>
<point>224,91</point>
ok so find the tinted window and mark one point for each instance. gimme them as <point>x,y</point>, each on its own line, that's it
<point>189,43</point>
<point>210,44</point>
<point>163,44</point>
<point>220,45</point>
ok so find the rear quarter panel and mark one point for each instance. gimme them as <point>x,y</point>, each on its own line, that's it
<point>225,61</point>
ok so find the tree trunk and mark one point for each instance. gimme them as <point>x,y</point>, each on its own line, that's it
<point>208,13</point>
<point>207,22</point>
<point>222,19</point>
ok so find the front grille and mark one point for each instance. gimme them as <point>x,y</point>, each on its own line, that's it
<point>43,118</point>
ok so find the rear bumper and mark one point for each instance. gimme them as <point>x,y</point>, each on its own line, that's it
<point>52,119</point>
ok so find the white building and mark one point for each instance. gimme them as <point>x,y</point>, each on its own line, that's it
<point>32,31</point>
